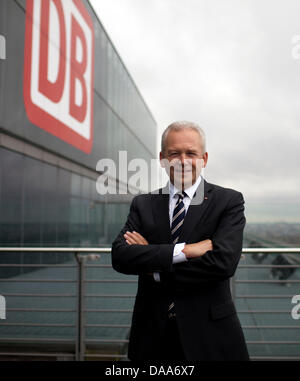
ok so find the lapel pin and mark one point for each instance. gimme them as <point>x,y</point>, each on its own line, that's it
<point>205,198</point>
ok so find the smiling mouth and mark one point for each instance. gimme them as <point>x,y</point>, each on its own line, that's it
<point>183,171</point>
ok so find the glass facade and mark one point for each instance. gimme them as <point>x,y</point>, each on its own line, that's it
<point>122,120</point>
<point>44,204</point>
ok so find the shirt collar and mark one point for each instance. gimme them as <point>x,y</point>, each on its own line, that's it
<point>189,191</point>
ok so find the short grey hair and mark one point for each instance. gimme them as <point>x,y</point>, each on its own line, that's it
<point>181,125</point>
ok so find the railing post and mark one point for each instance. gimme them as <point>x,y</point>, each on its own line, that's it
<point>80,331</point>
<point>80,327</point>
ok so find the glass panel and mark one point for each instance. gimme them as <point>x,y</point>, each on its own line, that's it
<point>50,205</point>
<point>63,216</point>
<point>32,203</point>
<point>11,215</point>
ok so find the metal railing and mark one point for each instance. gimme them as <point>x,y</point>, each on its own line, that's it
<point>80,342</point>
<point>82,255</point>
<point>290,260</point>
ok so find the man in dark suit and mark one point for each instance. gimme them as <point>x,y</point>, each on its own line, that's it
<point>184,241</point>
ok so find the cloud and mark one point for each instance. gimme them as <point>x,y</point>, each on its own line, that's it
<point>228,66</point>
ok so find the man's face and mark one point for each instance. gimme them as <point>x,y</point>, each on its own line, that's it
<point>183,158</point>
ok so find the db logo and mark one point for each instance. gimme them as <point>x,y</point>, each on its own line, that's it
<point>59,70</point>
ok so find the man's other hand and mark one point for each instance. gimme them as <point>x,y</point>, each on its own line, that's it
<point>135,238</point>
<point>194,250</point>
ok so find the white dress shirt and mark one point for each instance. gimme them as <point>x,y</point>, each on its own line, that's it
<point>178,255</point>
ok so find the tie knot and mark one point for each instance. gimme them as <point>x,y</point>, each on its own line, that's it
<point>181,196</point>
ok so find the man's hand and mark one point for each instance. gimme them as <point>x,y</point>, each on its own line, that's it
<point>134,238</point>
<point>194,250</point>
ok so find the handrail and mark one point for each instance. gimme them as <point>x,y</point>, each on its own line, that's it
<point>83,254</point>
<point>245,250</point>
<point>295,250</point>
<point>58,249</point>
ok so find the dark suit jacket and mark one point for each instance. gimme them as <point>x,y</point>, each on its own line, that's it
<point>208,324</point>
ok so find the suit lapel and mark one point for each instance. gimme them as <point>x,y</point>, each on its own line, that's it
<point>199,204</point>
<point>160,208</point>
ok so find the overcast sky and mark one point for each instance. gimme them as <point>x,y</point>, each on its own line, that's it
<point>227,65</point>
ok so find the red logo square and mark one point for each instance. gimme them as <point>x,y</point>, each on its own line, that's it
<point>59,70</point>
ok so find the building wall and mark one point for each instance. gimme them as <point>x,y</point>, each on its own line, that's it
<point>121,117</point>
<point>44,203</point>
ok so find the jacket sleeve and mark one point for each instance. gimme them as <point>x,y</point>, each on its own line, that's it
<point>139,259</point>
<point>221,262</point>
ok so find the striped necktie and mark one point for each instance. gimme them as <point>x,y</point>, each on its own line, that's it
<point>178,217</point>
<point>176,227</point>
